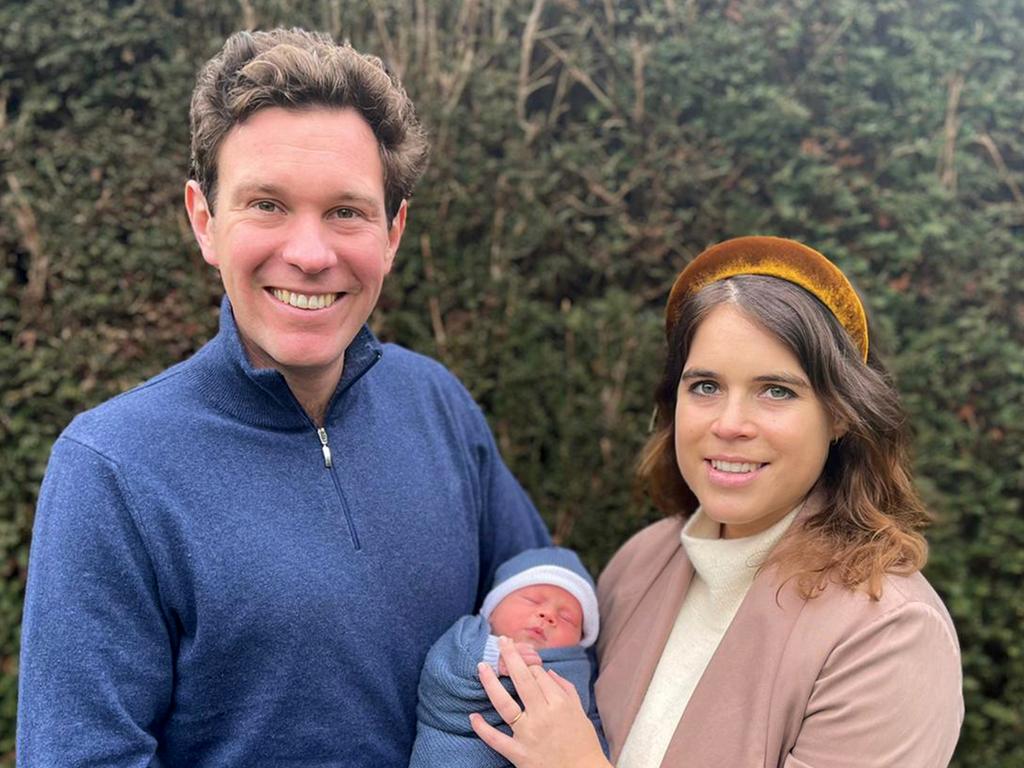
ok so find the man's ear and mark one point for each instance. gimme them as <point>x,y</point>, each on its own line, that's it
<point>395,235</point>
<point>201,218</point>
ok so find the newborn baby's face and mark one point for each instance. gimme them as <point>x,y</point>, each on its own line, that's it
<point>543,615</point>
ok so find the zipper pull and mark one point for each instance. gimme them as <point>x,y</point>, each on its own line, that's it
<point>322,434</point>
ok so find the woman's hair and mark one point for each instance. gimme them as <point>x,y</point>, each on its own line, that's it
<point>870,522</point>
<point>296,69</point>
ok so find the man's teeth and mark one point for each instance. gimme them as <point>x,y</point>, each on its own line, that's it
<point>734,466</point>
<point>305,301</point>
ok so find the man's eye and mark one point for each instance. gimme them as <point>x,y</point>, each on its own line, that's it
<point>265,205</point>
<point>345,213</point>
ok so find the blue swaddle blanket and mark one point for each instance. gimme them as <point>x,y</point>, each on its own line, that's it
<point>450,690</point>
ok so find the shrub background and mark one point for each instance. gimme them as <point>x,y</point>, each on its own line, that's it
<point>583,152</point>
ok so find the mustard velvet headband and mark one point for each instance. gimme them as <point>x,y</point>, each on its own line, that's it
<point>775,257</point>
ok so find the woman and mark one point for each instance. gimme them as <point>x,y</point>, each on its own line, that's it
<point>778,617</point>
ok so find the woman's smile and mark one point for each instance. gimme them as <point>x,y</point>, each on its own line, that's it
<point>733,474</point>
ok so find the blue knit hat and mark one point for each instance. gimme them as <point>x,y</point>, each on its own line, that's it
<point>547,565</point>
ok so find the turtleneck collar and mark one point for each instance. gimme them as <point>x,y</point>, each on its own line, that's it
<point>728,566</point>
<point>260,396</point>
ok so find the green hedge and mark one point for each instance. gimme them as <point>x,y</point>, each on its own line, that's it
<point>583,153</point>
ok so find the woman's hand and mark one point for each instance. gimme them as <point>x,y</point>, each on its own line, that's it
<point>529,654</point>
<point>550,730</point>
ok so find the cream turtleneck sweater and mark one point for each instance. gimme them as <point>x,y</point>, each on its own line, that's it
<point>724,569</point>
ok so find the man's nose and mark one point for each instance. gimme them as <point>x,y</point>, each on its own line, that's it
<point>307,246</point>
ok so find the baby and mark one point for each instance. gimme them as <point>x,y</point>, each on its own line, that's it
<point>544,600</point>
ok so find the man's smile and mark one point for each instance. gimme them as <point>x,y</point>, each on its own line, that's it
<point>304,300</point>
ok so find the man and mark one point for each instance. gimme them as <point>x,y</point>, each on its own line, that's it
<point>219,555</point>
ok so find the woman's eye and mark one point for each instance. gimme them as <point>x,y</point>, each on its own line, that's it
<point>779,393</point>
<point>704,388</point>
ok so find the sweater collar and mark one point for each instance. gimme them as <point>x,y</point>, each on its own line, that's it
<point>261,396</point>
<point>729,565</point>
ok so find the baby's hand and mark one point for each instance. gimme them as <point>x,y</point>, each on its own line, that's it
<point>527,651</point>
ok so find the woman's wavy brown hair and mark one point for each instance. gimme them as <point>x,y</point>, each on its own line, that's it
<point>870,522</point>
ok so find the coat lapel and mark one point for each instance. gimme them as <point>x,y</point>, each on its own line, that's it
<point>632,656</point>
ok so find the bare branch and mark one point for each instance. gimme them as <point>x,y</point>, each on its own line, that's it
<point>39,265</point>
<point>588,210</point>
<point>390,54</point>
<point>946,167</point>
<point>465,54</point>
<point>609,13</point>
<point>499,32</point>
<point>248,15</point>
<point>436,321</point>
<point>1004,172</point>
<point>526,56</point>
<point>567,512</point>
<point>558,105</point>
<point>426,39</point>
<point>830,41</point>
<point>333,12</point>
<point>497,225</point>
<point>581,77</point>
<point>640,52</point>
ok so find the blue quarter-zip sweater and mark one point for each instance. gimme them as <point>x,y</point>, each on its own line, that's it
<point>204,590</point>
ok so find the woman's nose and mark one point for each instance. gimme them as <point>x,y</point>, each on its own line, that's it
<point>733,420</point>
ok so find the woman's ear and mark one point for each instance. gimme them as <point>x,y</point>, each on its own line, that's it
<point>840,427</point>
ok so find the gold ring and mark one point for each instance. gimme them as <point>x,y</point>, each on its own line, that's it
<point>515,719</point>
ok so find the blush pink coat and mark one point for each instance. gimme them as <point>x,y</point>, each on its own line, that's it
<point>836,681</point>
